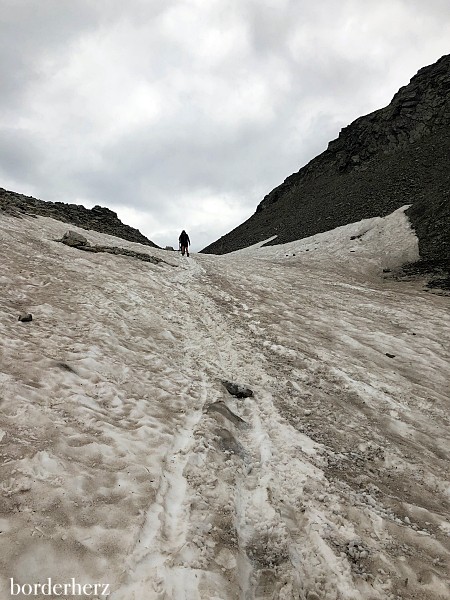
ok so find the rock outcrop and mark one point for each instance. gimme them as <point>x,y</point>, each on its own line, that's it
<point>97,218</point>
<point>394,156</point>
<point>76,240</point>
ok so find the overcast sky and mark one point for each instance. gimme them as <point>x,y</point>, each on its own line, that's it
<point>186,113</point>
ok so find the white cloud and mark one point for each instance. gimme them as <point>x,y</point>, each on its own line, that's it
<point>196,213</point>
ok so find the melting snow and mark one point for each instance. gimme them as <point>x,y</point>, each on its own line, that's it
<point>331,482</point>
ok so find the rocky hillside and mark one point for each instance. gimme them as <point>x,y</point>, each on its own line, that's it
<point>98,218</point>
<point>394,156</point>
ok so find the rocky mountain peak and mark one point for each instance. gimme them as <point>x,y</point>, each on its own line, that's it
<point>415,111</point>
<point>391,157</point>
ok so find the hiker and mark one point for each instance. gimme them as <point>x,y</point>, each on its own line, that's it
<point>184,243</point>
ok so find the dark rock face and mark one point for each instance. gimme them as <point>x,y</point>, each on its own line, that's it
<point>98,218</point>
<point>394,156</point>
<point>437,273</point>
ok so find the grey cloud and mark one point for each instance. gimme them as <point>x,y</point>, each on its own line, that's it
<point>19,154</point>
<point>140,111</point>
<point>31,31</point>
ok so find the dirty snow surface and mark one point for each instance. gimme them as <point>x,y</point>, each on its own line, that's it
<point>125,461</point>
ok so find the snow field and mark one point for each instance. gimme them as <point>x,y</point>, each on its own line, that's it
<point>125,460</point>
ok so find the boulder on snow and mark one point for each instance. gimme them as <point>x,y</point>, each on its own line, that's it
<point>72,238</point>
<point>25,317</point>
<point>238,390</point>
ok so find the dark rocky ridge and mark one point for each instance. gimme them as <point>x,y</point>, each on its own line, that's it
<point>97,218</point>
<point>394,156</point>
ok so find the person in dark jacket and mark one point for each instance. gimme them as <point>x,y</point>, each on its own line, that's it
<point>184,243</point>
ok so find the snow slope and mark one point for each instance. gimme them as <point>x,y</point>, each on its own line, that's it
<point>125,461</point>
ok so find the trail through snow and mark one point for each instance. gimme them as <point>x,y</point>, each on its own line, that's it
<point>124,459</point>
